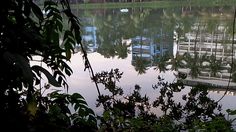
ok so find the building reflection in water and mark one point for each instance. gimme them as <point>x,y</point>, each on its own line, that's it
<point>216,46</point>
<point>88,36</point>
<point>148,50</point>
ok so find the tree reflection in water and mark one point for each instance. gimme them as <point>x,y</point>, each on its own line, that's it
<point>202,37</point>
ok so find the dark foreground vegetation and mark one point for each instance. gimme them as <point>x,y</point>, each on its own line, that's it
<point>26,32</point>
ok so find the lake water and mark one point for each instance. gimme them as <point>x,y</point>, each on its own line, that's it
<point>134,41</point>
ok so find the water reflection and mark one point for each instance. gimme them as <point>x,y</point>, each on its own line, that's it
<point>196,42</point>
<point>209,52</point>
<point>148,52</point>
<point>89,38</point>
<point>222,91</point>
<point>203,43</point>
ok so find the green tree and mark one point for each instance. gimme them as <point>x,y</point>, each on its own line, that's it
<point>26,32</point>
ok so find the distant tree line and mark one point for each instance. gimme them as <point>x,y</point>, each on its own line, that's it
<point>103,1</point>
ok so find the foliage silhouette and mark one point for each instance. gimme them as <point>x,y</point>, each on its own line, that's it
<point>131,112</point>
<point>26,32</point>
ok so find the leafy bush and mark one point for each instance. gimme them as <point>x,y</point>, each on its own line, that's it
<point>25,32</point>
<point>132,112</point>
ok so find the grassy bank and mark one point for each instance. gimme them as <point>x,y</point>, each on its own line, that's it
<point>156,4</point>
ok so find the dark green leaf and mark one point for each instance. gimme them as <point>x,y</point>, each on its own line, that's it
<point>92,118</point>
<point>90,111</point>
<point>50,78</point>
<point>37,11</point>
<point>66,66</point>
<point>67,72</point>
<point>19,61</point>
<point>82,112</point>
<point>68,54</point>
<point>54,94</point>
<point>68,34</point>
<point>76,107</point>
<point>80,104</point>
<point>78,37</point>
<point>58,18</point>
<point>49,3</point>
<point>59,73</point>
<point>231,112</point>
<point>77,96</point>
<point>27,9</point>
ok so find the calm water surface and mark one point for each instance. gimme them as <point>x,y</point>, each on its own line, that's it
<point>135,40</point>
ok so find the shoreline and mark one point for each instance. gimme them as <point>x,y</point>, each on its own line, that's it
<point>154,4</point>
<point>213,83</point>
